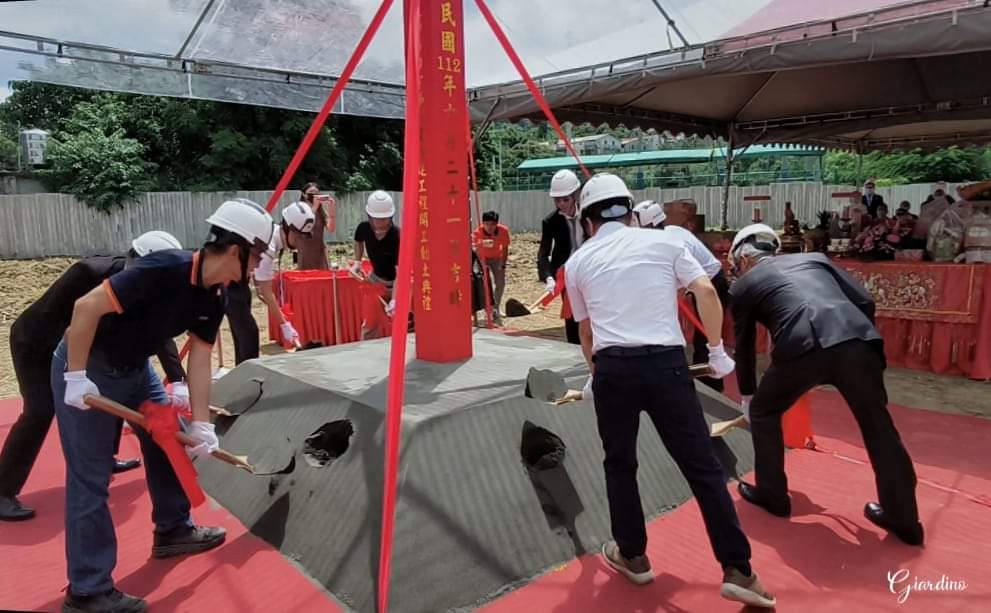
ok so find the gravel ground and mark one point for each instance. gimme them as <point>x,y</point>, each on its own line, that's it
<point>23,281</point>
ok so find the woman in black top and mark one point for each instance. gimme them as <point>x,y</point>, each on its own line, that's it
<point>379,238</point>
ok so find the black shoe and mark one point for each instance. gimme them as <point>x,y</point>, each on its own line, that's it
<point>187,540</point>
<point>121,466</point>
<point>113,601</point>
<point>911,535</point>
<point>11,509</point>
<point>750,493</point>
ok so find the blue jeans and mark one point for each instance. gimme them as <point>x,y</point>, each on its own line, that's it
<point>88,443</point>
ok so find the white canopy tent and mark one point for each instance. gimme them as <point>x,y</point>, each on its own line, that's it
<point>910,75</point>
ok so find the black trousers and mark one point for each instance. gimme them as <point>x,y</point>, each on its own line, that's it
<point>700,348</point>
<point>25,438</point>
<point>244,328</point>
<point>856,368</point>
<point>659,384</point>
<point>571,331</point>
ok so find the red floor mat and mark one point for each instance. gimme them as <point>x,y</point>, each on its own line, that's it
<point>246,574</point>
<point>827,557</point>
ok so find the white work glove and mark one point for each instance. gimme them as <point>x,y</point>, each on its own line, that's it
<point>587,390</point>
<point>719,362</point>
<point>390,309</point>
<point>180,396</point>
<point>550,284</point>
<point>77,385</point>
<point>203,433</point>
<point>289,334</point>
<point>745,406</point>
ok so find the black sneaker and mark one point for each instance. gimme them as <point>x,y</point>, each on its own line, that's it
<point>113,601</point>
<point>187,540</point>
<point>11,509</point>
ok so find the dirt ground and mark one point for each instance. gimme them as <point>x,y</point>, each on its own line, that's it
<point>23,281</point>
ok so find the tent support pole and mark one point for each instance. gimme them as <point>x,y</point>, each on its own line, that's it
<point>724,212</point>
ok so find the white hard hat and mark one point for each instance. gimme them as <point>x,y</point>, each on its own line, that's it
<point>648,214</point>
<point>761,235</point>
<point>601,187</point>
<point>246,219</point>
<point>153,241</point>
<point>299,216</point>
<point>564,183</point>
<point>380,205</point>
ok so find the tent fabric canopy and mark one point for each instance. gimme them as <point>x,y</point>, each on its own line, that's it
<point>914,75</point>
<point>289,53</point>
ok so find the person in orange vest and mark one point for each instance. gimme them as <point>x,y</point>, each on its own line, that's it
<point>822,327</point>
<point>491,242</point>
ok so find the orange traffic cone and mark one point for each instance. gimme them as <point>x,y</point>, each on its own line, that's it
<point>797,425</point>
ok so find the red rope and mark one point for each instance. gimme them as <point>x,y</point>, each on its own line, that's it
<point>534,91</point>
<point>478,218</point>
<point>328,106</point>
<point>403,287</point>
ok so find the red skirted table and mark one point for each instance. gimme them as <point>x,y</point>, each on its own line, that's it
<point>933,317</point>
<point>308,296</point>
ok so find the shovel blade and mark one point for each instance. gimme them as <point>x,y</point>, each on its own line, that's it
<point>515,308</point>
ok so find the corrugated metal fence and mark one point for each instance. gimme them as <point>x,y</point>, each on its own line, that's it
<point>41,225</point>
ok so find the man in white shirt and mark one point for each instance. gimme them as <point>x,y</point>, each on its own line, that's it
<point>297,219</point>
<point>623,284</point>
<point>650,214</point>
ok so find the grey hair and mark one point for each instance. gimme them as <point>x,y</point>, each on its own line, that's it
<point>751,250</point>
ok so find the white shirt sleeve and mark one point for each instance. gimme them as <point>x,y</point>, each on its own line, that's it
<point>579,311</point>
<point>687,269</point>
<point>265,271</point>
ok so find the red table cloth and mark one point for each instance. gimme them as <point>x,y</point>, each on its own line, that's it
<point>308,296</point>
<point>933,317</point>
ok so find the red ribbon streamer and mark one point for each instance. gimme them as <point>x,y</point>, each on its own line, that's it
<point>403,291</point>
<point>162,423</point>
<point>328,106</point>
<point>534,91</point>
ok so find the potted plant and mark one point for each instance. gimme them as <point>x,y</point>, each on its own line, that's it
<point>817,238</point>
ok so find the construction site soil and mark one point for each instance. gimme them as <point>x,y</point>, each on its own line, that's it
<point>23,281</point>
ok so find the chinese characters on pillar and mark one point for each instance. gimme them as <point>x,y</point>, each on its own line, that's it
<point>443,316</point>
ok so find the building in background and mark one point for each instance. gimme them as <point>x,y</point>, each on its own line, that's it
<point>33,143</point>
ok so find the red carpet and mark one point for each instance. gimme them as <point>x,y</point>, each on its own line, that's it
<point>245,574</point>
<point>827,557</point>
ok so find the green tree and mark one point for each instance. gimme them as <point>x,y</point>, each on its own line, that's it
<point>93,159</point>
<point>8,153</point>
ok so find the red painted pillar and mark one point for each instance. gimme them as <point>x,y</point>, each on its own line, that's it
<point>443,269</point>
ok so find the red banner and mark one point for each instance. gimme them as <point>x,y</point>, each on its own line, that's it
<point>443,268</point>
<point>949,293</point>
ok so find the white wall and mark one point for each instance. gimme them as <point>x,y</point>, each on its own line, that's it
<point>40,225</point>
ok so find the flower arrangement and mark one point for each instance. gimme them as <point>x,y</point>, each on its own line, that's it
<point>882,239</point>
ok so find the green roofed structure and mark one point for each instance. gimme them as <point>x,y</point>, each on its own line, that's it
<point>647,168</point>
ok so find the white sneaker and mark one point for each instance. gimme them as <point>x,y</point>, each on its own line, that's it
<point>747,590</point>
<point>636,570</point>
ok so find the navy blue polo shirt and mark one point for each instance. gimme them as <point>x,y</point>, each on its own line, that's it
<point>156,299</point>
